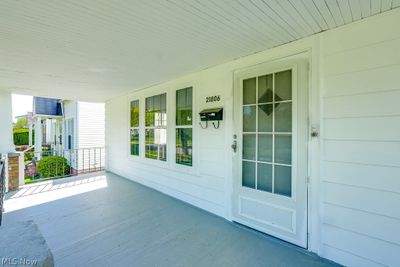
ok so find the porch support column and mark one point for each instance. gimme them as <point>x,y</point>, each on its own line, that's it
<point>38,137</point>
<point>6,123</point>
<point>30,134</point>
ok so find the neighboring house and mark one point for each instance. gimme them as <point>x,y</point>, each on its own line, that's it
<point>83,134</point>
<point>28,118</point>
<point>71,128</point>
<point>48,117</point>
<point>84,125</point>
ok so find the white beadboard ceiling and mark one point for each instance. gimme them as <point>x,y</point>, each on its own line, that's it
<point>96,49</point>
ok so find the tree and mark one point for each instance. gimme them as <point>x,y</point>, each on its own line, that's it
<point>21,123</point>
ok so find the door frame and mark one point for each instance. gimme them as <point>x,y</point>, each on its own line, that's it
<point>310,52</point>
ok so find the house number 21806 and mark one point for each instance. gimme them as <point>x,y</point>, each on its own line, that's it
<point>214,98</point>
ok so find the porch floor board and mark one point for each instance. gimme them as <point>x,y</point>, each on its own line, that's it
<point>105,220</point>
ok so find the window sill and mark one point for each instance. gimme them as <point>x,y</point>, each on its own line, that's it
<point>188,170</point>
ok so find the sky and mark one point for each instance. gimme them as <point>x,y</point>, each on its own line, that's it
<point>21,104</point>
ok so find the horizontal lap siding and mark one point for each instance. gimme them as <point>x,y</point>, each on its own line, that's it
<point>202,185</point>
<point>383,153</point>
<point>91,121</point>
<point>369,200</point>
<point>91,124</point>
<point>382,104</point>
<point>209,183</point>
<point>362,175</point>
<point>361,143</point>
<point>363,81</point>
<point>384,128</point>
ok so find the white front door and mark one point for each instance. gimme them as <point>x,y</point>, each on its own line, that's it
<point>270,163</point>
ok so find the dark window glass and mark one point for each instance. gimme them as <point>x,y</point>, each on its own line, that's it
<point>156,111</point>
<point>249,91</point>
<point>265,88</point>
<point>184,106</point>
<point>156,127</point>
<point>135,142</point>
<point>184,147</point>
<point>134,127</point>
<point>283,85</point>
<point>249,174</point>
<point>184,131</point>
<point>135,113</point>
<point>156,144</point>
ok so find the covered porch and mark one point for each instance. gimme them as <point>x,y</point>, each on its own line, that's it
<point>280,115</point>
<point>106,220</point>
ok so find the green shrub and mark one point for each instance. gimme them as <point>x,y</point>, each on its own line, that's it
<point>53,166</point>
<point>29,156</point>
<point>21,137</point>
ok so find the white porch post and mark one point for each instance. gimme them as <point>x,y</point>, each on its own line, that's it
<point>30,134</point>
<point>6,131</point>
<point>38,137</point>
<point>6,127</point>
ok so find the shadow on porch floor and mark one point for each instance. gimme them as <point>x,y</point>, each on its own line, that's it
<point>106,220</point>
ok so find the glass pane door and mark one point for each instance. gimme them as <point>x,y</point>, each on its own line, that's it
<point>267,133</point>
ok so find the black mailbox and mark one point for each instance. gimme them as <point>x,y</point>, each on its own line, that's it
<point>212,114</point>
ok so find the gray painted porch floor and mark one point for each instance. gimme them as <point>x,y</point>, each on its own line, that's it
<point>106,220</point>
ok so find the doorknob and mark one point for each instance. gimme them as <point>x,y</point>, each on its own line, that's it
<point>314,131</point>
<point>234,145</point>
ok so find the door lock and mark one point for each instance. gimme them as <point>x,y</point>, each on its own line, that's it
<point>314,132</point>
<point>234,145</point>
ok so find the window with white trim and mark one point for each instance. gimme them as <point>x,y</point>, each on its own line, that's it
<point>184,126</point>
<point>69,134</point>
<point>156,127</point>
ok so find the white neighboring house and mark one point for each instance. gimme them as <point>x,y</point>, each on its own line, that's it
<point>84,125</point>
<point>48,118</point>
<point>83,134</point>
<point>72,128</point>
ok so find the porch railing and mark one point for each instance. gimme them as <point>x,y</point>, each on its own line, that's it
<point>2,185</point>
<point>53,164</point>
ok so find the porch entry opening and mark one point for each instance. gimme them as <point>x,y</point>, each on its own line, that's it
<point>270,191</point>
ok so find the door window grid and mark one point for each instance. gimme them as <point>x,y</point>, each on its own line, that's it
<point>256,162</point>
<point>266,103</point>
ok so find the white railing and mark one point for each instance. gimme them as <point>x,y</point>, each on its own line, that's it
<point>2,184</point>
<point>43,165</point>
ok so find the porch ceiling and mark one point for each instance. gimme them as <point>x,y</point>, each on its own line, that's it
<point>96,49</point>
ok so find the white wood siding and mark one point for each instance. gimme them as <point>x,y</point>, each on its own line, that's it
<point>354,201</point>
<point>361,142</point>
<point>91,132</point>
<point>209,183</point>
<point>91,124</point>
<point>204,184</point>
